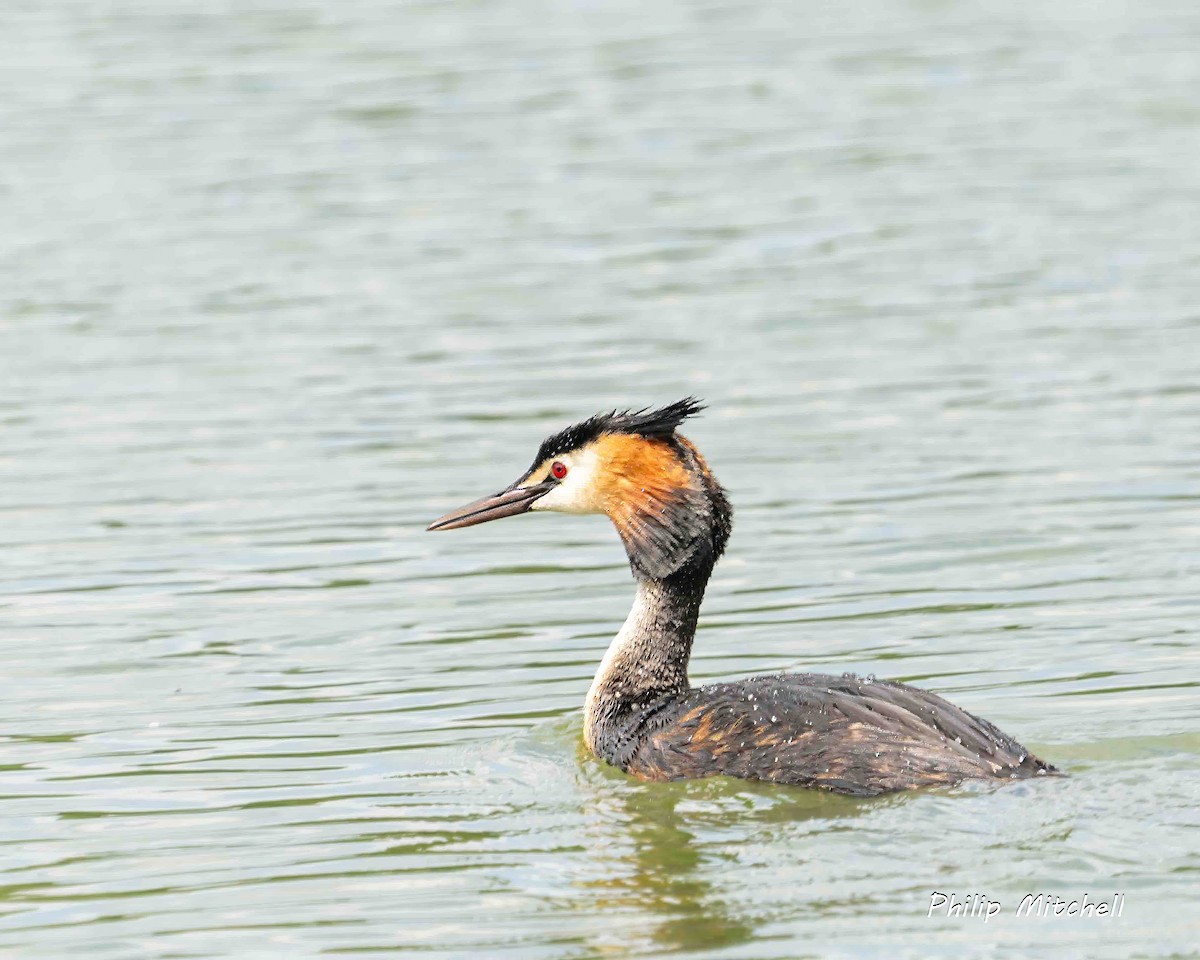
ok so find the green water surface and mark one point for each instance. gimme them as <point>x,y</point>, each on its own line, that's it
<point>282,281</point>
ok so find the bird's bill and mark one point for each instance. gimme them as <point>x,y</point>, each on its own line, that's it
<point>506,503</point>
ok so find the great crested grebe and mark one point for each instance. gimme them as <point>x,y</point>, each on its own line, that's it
<point>844,734</point>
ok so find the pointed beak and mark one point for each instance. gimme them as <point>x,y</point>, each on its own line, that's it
<point>506,503</point>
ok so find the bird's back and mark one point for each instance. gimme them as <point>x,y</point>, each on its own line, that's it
<point>845,734</point>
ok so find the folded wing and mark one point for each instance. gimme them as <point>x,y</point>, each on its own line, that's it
<point>843,734</point>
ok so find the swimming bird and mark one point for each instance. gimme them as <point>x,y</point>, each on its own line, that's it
<point>845,734</point>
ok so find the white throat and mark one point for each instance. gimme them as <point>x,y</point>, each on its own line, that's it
<point>624,648</point>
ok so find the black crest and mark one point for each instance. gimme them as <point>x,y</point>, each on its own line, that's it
<point>647,422</point>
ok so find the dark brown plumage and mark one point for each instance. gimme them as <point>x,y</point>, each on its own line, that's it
<point>845,734</point>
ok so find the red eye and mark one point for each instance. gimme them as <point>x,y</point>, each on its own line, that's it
<point>559,469</point>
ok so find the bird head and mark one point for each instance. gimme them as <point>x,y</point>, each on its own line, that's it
<point>633,467</point>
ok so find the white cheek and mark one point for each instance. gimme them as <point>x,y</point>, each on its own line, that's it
<point>575,493</point>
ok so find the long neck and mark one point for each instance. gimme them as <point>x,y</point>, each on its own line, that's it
<point>672,550</point>
<point>648,658</point>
